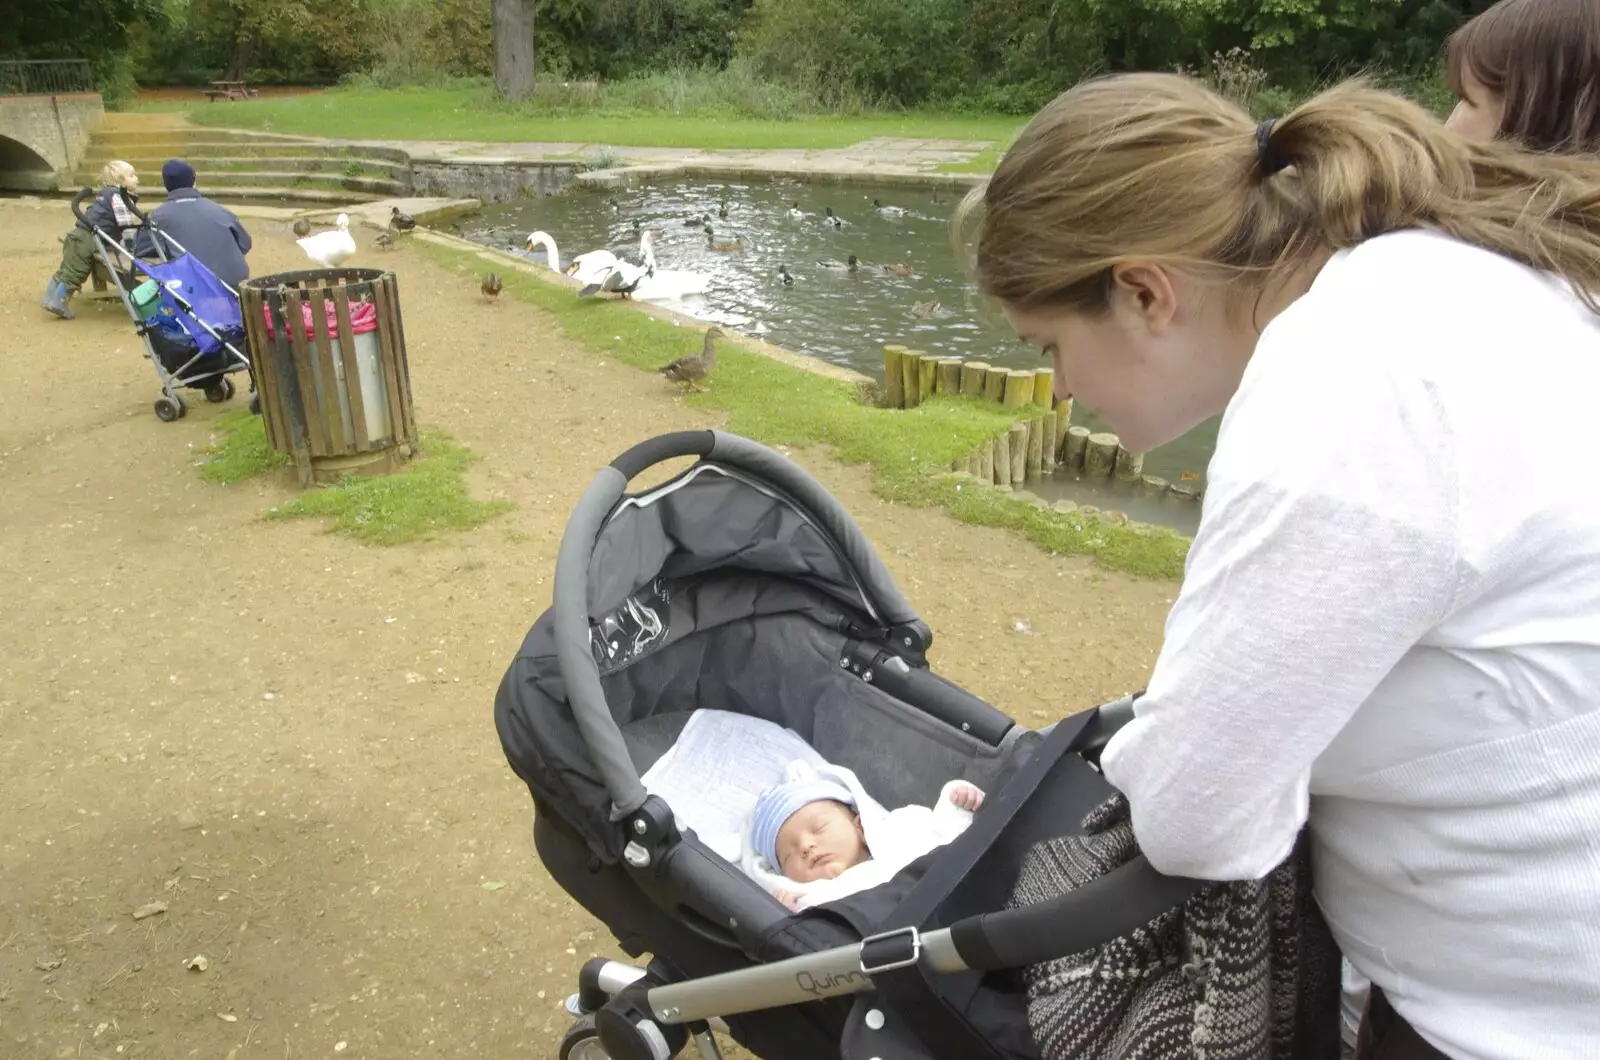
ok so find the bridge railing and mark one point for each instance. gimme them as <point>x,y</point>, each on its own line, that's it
<point>44,77</point>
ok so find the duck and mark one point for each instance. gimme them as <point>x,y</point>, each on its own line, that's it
<point>924,310</point>
<point>849,265</point>
<point>490,286</point>
<point>889,211</point>
<point>302,227</point>
<point>402,221</point>
<point>833,219</point>
<point>617,207</point>
<point>795,213</point>
<point>332,248</point>
<point>625,275</point>
<point>552,255</point>
<point>692,222</point>
<point>722,246</point>
<point>722,210</point>
<point>785,277</point>
<point>695,367</point>
<point>384,240</point>
<point>896,270</point>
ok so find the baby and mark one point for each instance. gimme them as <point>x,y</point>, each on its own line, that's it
<point>809,830</point>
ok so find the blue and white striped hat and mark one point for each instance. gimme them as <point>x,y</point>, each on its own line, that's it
<point>777,804</point>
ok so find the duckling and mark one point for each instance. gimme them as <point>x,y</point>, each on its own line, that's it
<point>889,211</point>
<point>695,367</point>
<point>302,228</point>
<point>784,276</point>
<point>722,211</point>
<point>850,265</point>
<point>385,240</point>
<point>712,243</point>
<point>831,218</point>
<point>795,213</point>
<point>896,270</point>
<point>403,221</point>
<point>490,287</point>
<point>924,310</point>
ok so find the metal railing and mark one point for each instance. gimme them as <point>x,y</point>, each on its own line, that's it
<point>44,77</point>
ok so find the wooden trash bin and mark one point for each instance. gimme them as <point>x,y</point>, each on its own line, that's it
<point>330,358</point>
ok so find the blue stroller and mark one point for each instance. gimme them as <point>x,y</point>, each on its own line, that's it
<point>189,321</point>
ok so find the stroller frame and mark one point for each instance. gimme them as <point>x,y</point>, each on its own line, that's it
<point>214,383</point>
<point>650,1013</point>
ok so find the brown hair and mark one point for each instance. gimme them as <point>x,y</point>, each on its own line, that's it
<point>1543,58</point>
<point>1159,168</point>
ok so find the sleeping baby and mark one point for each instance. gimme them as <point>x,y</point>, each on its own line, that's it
<point>817,837</point>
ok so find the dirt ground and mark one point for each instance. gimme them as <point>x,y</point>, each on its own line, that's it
<point>286,738</point>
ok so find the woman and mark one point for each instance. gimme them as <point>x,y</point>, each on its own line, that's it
<point>1392,604</point>
<point>1529,70</point>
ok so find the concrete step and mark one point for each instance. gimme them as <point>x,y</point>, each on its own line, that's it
<point>149,166</point>
<point>101,151</point>
<point>148,199</point>
<point>125,136</point>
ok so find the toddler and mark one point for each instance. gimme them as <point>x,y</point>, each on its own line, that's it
<point>109,214</point>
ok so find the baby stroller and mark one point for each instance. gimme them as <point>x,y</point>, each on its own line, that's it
<point>742,584</point>
<point>188,320</point>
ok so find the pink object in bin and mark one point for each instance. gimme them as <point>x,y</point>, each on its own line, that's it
<point>363,318</point>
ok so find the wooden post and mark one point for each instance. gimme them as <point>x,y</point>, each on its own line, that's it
<point>994,384</point>
<point>986,463</point>
<point>1077,442</point>
<point>1051,451</point>
<point>1155,483</point>
<point>1044,383</point>
<point>949,375</point>
<point>1063,421</point>
<point>1018,389</point>
<point>1002,460</point>
<point>910,381</point>
<point>893,382</point>
<point>972,374</point>
<point>1100,455</point>
<point>1019,453</point>
<point>927,372</point>
<point>1036,435</point>
<point>1129,466</point>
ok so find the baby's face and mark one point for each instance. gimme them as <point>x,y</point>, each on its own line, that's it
<point>819,841</point>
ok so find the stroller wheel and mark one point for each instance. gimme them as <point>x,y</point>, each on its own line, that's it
<point>168,410</point>
<point>582,1042</point>
<point>255,403</point>
<point>219,391</point>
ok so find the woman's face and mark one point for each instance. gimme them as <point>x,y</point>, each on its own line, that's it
<point>1479,112</point>
<point>1160,360</point>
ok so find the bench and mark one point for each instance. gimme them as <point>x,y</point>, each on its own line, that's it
<point>229,90</point>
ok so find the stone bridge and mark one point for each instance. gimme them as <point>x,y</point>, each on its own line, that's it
<point>47,110</point>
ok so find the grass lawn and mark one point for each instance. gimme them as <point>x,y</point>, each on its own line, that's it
<point>461,114</point>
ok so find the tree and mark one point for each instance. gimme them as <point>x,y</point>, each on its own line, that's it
<point>513,47</point>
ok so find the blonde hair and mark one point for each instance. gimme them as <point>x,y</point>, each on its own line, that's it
<point>118,174</point>
<point>1159,168</point>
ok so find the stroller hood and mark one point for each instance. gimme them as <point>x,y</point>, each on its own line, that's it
<point>208,297</point>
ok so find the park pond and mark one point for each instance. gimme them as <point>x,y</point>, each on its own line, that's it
<point>924,301</point>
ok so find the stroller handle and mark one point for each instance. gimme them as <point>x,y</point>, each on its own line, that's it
<point>571,593</point>
<point>86,193</point>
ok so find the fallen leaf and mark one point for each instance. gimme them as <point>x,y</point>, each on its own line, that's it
<point>494,885</point>
<point>198,963</point>
<point>149,909</point>
<point>227,1017</point>
<point>47,964</point>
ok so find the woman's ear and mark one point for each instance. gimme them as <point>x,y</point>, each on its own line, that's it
<point>1144,292</point>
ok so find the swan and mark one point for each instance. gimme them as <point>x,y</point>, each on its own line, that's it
<point>330,249</point>
<point>622,276</point>
<point>552,255</point>
<point>670,285</point>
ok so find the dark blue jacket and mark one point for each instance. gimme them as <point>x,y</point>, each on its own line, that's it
<point>207,230</point>
<point>99,214</point>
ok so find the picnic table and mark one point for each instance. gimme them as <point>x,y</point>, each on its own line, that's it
<point>229,90</point>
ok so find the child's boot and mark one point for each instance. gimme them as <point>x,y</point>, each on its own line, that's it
<point>56,299</point>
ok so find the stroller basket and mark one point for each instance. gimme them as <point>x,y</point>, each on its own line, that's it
<point>743,585</point>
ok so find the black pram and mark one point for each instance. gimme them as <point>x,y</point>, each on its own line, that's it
<point>743,584</point>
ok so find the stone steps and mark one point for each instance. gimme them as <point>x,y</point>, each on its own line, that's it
<point>152,197</point>
<point>210,168</point>
<point>101,151</point>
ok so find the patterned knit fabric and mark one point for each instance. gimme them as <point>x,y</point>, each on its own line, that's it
<point>1240,971</point>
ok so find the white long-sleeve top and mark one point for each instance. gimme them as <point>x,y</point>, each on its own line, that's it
<point>1390,622</point>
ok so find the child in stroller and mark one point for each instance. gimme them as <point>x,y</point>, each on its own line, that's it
<point>110,213</point>
<point>742,583</point>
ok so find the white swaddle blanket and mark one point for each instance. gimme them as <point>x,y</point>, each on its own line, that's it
<point>721,763</point>
<point>895,838</point>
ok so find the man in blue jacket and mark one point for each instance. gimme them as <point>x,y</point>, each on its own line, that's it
<point>208,231</point>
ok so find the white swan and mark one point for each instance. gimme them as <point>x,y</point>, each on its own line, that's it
<point>622,276</point>
<point>543,239</point>
<point>330,249</point>
<point>670,285</point>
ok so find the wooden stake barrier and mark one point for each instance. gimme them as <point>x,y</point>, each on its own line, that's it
<point>1100,455</point>
<point>986,463</point>
<point>911,378</point>
<point>972,374</point>
<point>949,375</point>
<point>1154,483</point>
<point>1050,448</point>
<point>1063,421</point>
<point>994,384</point>
<point>1129,466</point>
<point>1019,453</point>
<point>1035,447</point>
<point>1077,442</point>
<point>927,374</point>
<point>1044,382</point>
<point>1019,389</point>
<point>894,387</point>
<point>1002,460</point>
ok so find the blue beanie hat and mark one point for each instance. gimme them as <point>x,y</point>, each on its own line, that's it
<point>177,174</point>
<point>777,804</point>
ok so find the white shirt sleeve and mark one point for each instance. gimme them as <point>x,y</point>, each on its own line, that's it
<point>1326,550</point>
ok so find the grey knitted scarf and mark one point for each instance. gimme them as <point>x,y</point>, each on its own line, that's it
<point>1240,971</point>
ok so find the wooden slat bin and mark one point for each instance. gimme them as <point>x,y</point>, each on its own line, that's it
<point>330,360</point>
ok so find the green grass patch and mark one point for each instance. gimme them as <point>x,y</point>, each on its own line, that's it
<point>908,450</point>
<point>984,161</point>
<point>242,452</point>
<point>468,113</point>
<point>428,498</point>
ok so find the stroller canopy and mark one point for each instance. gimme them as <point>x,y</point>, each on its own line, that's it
<point>208,298</point>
